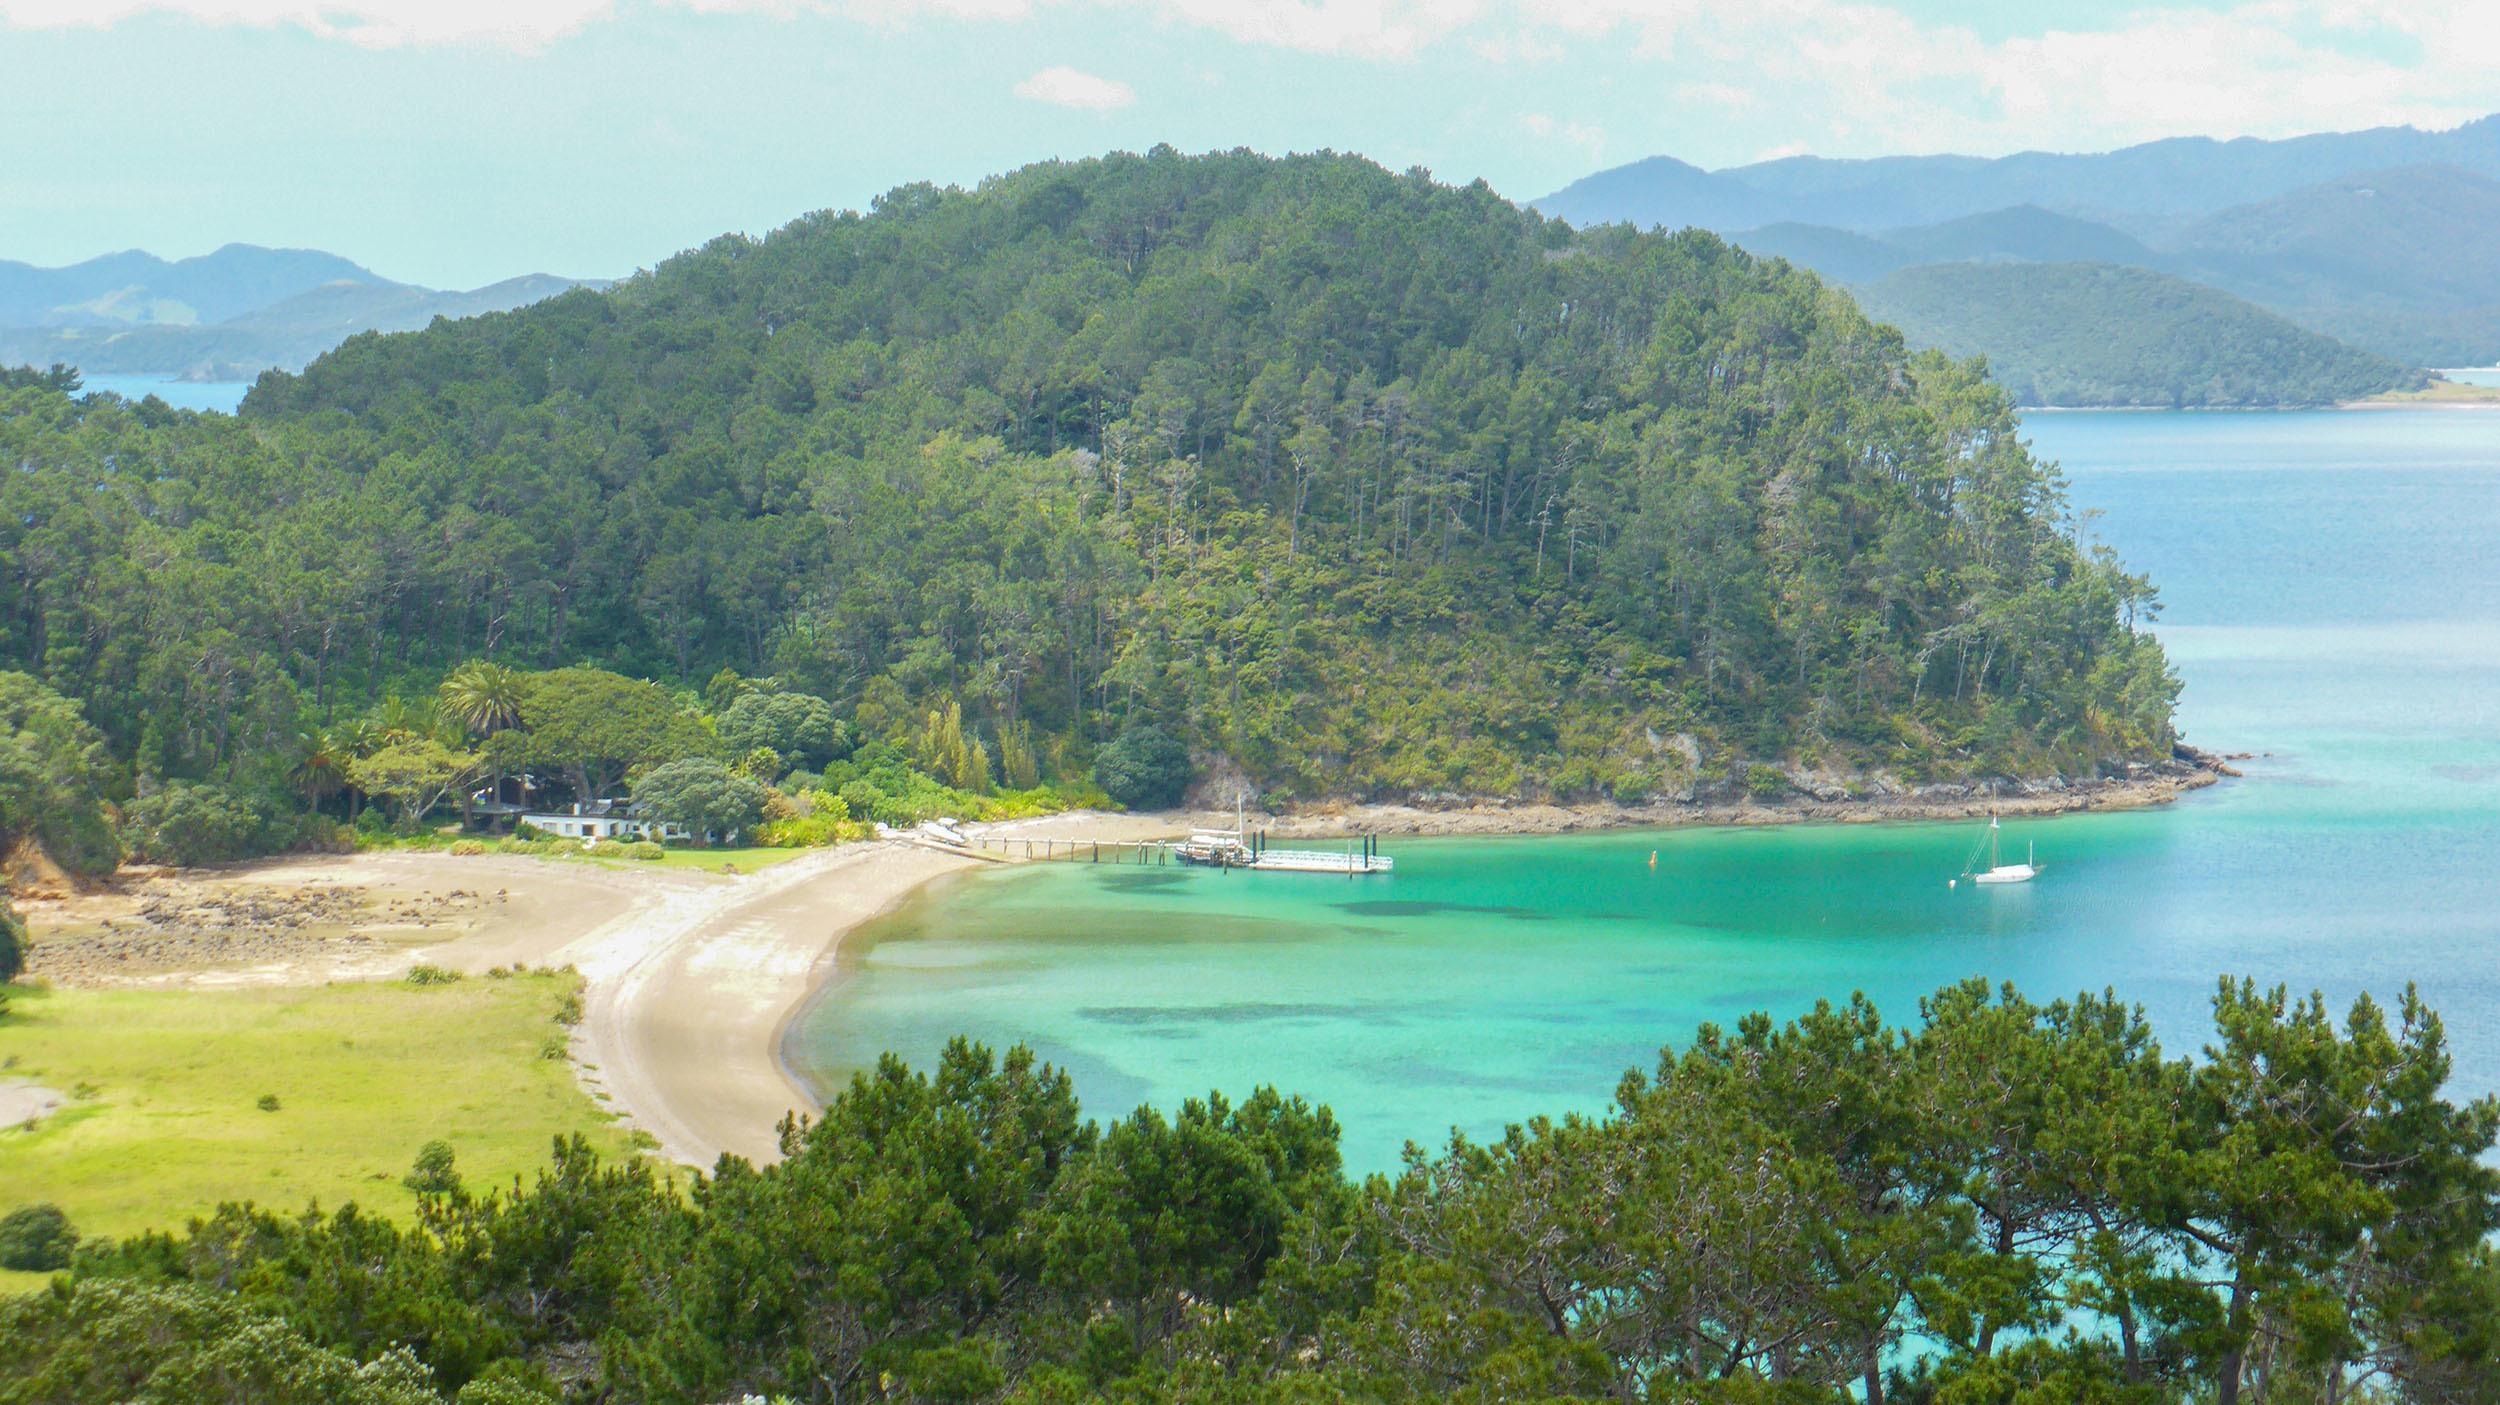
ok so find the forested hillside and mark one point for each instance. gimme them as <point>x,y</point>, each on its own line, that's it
<point>1361,484</point>
<point>2099,334</point>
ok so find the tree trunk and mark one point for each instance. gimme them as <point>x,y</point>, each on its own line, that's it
<point>2227,1389</point>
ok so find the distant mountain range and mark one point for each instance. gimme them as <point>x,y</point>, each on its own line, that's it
<point>2380,239</point>
<point>224,316</point>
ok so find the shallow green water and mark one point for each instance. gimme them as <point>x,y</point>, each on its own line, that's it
<point>2334,599</point>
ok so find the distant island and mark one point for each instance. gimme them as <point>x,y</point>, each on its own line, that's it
<point>2368,239</point>
<point>224,316</point>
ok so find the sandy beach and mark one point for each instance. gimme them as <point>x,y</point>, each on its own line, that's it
<point>691,977</point>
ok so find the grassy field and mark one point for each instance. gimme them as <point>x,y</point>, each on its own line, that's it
<point>164,1119</point>
<point>2441,393</point>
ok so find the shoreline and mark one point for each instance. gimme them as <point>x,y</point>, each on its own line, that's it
<point>694,982</point>
<point>1491,817</point>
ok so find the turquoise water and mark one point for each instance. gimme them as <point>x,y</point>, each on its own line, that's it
<point>2334,603</point>
<point>222,396</point>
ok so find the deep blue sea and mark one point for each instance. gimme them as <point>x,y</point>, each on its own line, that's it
<point>2333,589</point>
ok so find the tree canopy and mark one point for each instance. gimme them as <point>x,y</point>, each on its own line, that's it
<point>55,778</point>
<point>2001,1200</point>
<point>1361,484</point>
<point>702,796</point>
<point>596,726</point>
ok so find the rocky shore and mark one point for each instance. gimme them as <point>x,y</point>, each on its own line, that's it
<point>1812,799</point>
<point>173,922</point>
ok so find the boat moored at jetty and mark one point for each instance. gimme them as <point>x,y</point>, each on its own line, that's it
<point>1231,848</point>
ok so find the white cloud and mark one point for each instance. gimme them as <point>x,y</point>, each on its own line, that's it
<point>1379,29</point>
<point>1068,87</point>
<point>1587,136</point>
<point>1846,75</point>
<point>516,24</point>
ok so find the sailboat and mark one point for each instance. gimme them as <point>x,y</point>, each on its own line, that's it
<point>1999,871</point>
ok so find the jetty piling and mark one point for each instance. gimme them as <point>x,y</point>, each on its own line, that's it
<point>1361,854</point>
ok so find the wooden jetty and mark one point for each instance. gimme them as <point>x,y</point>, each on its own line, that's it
<point>1220,849</point>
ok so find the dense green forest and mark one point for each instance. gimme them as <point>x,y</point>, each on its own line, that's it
<point>1356,483</point>
<point>2001,1202</point>
<point>2102,334</point>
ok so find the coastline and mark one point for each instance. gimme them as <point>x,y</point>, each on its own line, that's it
<point>694,981</point>
<point>2156,785</point>
<point>690,1042</point>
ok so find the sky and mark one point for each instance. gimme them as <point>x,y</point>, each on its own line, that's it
<point>456,142</point>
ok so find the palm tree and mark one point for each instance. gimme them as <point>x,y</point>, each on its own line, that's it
<point>346,742</point>
<point>482,698</point>
<point>320,769</point>
<point>398,720</point>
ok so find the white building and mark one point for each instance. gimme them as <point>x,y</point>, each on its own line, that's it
<point>602,819</point>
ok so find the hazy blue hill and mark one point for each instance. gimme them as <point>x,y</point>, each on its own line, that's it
<point>2156,185</point>
<point>2023,233</point>
<point>2377,238</point>
<point>339,310</point>
<point>1662,191</point>
<point>2401,261</point>
<point>133,287</point>
<point>271,315</point>
<point>1840,255</point>
<point>2102,334</point>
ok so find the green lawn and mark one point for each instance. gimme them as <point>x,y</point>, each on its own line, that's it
<point>163,1122</point>
<point>710,860</point>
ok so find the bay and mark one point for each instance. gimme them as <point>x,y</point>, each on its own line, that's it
<point>2333,604</point>
<point>222,396</point>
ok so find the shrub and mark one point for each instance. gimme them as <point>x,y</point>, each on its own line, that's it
<point>467,848</point>
<point>1766,782</point>
<point>569,1009</point>
<point>425,974</point>
<point>798,728</point>
<point>186,823</point>
<point>703,796</point>
<point>823,818</point>
<point>55,777</point>
<point>1145,768</point>
<point>434,1172</point>
<point>862,798</point>
<point>12,942</point>
<point>266,1102</point>
<point>1633,787</point>
<point>36,1239</point>
<point>645,851</point>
